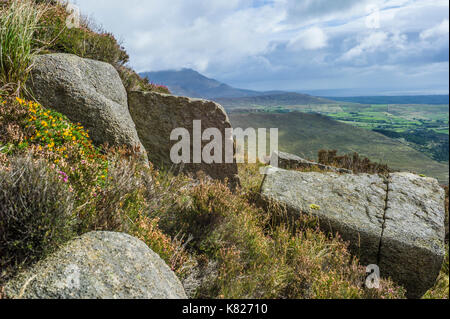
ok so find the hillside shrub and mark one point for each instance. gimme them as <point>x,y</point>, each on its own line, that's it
<point>352,162</point>
<point>36,212</point>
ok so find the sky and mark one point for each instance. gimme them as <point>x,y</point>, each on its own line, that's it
<point>385,47</point>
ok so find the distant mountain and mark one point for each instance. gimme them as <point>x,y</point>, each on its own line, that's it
<point>190,83</point>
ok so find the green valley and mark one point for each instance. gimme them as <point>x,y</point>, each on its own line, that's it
<point>305,134</point>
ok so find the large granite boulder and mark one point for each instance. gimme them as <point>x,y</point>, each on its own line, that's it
<point>293,162</point>
<point>99,265</point>
<point>156,115</point>
<point>395,222</point>
<point>87,92</point>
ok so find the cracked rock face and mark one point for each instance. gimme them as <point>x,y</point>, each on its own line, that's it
<point>156,115</point>
<point>87,92</point>
<point>99,265</point>
<point>396,223</point>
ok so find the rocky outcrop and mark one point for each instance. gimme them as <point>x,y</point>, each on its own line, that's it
<point>395,222</point>
<point>99,265</point>
<point>290,161</point>
<point>156,115</point>
<point>87,92</point>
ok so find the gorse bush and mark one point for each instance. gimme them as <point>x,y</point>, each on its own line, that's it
<point>19,21</point>
<point>36,212</point>
<point>111,193</point>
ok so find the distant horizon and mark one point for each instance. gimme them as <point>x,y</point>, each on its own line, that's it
<point>328,93</point>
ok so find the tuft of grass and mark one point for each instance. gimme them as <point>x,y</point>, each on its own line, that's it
<point>19,21</point>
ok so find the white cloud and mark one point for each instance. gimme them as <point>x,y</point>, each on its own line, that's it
<point>368,44</point>
<point>270,40</point>
<point>310,39</point>
<point>441,29</point>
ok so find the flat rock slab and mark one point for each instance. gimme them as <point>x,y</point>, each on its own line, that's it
<point>87,92</point>
<point>156,115</point>
<point>99,265</point>
<point>396,222</point>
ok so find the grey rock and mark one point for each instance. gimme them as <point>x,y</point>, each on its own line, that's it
<point>99,265</point>
<point>396,222</point>
<point>156,115</point>
<point>412,247</point>
<point>290,161</point>
<point>87,92</point>
<point>350,205</point>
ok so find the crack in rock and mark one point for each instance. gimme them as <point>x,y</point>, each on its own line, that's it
<point>387,182</point>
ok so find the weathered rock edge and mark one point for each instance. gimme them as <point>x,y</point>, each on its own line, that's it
<point>99,265</point>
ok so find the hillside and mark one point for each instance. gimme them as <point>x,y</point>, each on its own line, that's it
<point>306,134</point>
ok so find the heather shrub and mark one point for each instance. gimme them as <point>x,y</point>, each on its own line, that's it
<point>36,211</point>
<point>134,82</point>
<point>353,162</point>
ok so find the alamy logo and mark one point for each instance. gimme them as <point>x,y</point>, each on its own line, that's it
<point>373,278</point>
<point>251,140</point>
<point>74,15</point>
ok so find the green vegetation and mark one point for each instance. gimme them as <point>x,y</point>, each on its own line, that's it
<point>90,191</point>
<point>55,184</point>
<point>421,127</point>
<point>306,134</point>
<point>18,24</point>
